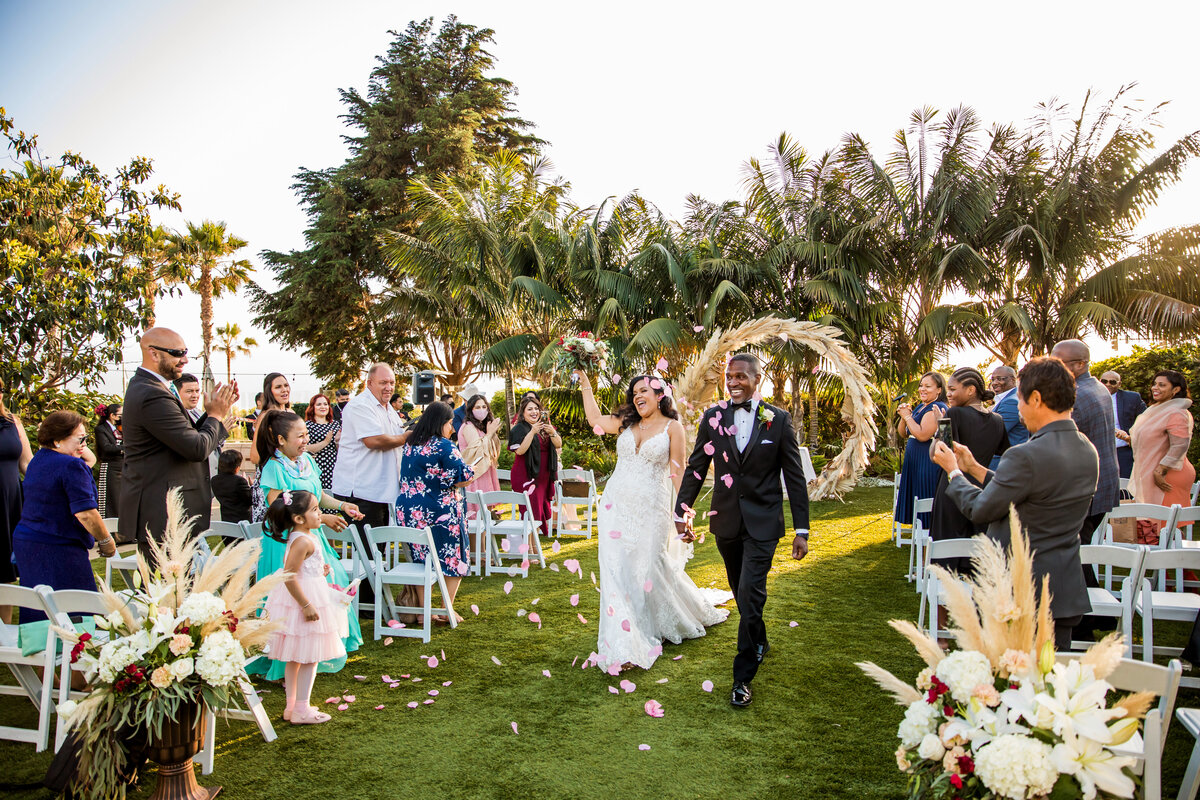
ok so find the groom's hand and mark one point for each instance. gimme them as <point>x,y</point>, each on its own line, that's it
<point>799,547</point>
<point>685,531</point>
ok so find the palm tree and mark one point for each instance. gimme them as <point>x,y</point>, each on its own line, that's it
<point>208,268</point>
<point>231,345</point>
<point>482,268</point>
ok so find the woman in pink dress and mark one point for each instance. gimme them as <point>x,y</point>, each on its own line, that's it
<point>478,441</point>
<point>313,620</point>
<point>1160,438</point>
<point>535,443</point>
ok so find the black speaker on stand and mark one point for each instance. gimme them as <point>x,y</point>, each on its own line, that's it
<point>424,385</point>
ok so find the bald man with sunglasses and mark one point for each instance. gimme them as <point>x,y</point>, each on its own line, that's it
<point>164,448</point>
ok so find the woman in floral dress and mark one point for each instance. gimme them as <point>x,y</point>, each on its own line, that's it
<point>431,473</point>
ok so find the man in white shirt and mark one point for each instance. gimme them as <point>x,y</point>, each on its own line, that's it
<point>367,469</point>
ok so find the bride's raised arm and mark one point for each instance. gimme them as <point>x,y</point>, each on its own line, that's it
<point>607,423</point>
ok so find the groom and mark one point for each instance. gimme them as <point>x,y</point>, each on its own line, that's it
<point>750,443</point>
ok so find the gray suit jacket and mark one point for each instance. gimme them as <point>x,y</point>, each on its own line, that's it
<point>163,450</point>
<point>1093,413</point>
<point>1051,480</point>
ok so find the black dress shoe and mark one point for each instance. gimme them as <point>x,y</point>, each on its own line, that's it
<point>760,651</point>
<point>741,696</point>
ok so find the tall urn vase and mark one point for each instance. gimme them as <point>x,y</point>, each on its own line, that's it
<point>173,750</point>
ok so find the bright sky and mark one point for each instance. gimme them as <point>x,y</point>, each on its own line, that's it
<point>231,98</point>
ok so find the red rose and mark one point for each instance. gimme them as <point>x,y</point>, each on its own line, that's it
<point>132,669</point>
<point>182,628</point>
<point>966,765</point>
<point>948,710</point>
<point>956,781</point>
<point>120,686</point>
<point>84,637</point>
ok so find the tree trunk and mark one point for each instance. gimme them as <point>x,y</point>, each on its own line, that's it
<point>797,404</point>
<point>510,399</point>
<point>206,310</point>
<point>229,365</point>
<point>811,363</point>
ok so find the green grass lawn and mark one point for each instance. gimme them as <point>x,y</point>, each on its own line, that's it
<point>818,728</point>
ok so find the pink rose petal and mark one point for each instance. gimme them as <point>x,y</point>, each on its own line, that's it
<point>628,686</point>
<point>582,618</point>
<point>709,449</point>
<point>343,706</point>
<point>707,686</point>
<point>793,624</point>
<point>662,680</point>
<point>447,683</point>
<point>386,678</point>
<point>554,567</point>
<point>523,549</point>
<point>330,700</point>
<point>432,662</point>
<point>574,599</point>
<point>556,546</point>
<point>596,429</point>
<point>610,611</point>
<point>661,365</point>
<point>546,672</point>
<point>614,690</point>
<point>514,727</point>
<point>394,685</point>
<point>593,577</point>
<point>394,623</point>
<point>608,506</point>
<point>654,708</point>
<point>656,651</point>
<point>648,586</point>
<point>676,658</point>
<point>714,422</point>
<point>434,692</point>
<point>474,609</point>
<point>534,617</point>
<point>614,669</point>
<point>388,640</point>
<point>727,479</point>
<point>429,702</point>
<point>360,677</point>
<point>625,625</point>
<point>413,704</point>
<point>379,708</point>
<point>724,404</point>
<point>696,475</point>
<point>572,565</point>
<point>496,661</point>
<point>508,586</point>
<point>349,698</point>
<point>643,747</point>
<point>417,680</point>
<point>655,384</point>
<point>525,564</point>
<point>695,329</point>
<point>406,676</point>
<point>614,534</point>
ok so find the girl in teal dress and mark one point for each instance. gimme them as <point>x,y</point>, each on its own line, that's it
<point>287,467</point>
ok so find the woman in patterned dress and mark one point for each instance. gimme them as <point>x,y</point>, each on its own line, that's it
<point>432,472</point>
<point>324,433</point>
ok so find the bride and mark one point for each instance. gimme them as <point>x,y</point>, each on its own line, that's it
<point>646,597</point>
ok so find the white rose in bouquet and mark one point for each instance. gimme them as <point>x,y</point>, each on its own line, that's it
<point>962,671</point>
<point>183,668</point>
<point>931,748</point>
<point>1016,767</point>
<point>220,658</point>
<point>202,607</point>
<point>920,720</point>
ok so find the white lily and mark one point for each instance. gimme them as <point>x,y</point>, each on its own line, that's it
<point>1076,703</point>
<point>1093,765</point>
<point>980,724</point>
<point>1022,703</point>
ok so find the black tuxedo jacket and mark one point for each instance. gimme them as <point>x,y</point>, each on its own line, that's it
<point>163,450</point>
<point>1129,407</point>
<point>747,486</point>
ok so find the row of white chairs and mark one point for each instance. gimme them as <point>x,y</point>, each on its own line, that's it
<point>35,673</point>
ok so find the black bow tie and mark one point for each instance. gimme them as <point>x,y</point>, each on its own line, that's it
<point>745,405</point>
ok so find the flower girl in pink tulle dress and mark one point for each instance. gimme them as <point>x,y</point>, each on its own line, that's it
<point>313,620</point>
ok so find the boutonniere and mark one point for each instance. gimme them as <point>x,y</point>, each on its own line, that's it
<point>765,416</point>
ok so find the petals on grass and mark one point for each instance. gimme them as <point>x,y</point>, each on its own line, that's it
<point>508,586</point>
<point>574,599</point>
<point>556,546</point>
<point>343,706</point>
<point>572,565</point>
<point>386,678</point>
<point>394,685</point>
<point>535,617</point>
<point>429,702</point>
<point>554,567</point>
<point>413,704</point>
<point>525,564</point>
<point>628,686</point>
<point>676,658</point>
<point>582,618</point>
<point>394,623</point>
<point>474,609</point>
<point>662,680</point>
<point>614,669</point>
<point>654,708</point>
<point>379,708</point>
<point>349,698</point>
<point>707,686</point>
<point>447,683</point>
<point>434,692</point>
<point>360,677</point>
<point>546,672</point>
<point>387,641</point>
<point>614,690</point>
<point>330,700</point>
<point>643,747</point>
<point>793,624</point>
<point>496,661</point>
<point>432,662</point>
<point>521,612</point>
<point>514,727</point>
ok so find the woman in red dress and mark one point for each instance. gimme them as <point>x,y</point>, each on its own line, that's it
<point>535,443</point>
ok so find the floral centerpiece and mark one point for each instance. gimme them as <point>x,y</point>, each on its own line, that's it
<point>1003,717</point>
<point>580,351</point>
<point>178,638</point>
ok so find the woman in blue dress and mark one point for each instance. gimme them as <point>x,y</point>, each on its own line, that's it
<point>286,466</point>
<point>15,455</point>
<point>431,474</point>
<point>919,475</point>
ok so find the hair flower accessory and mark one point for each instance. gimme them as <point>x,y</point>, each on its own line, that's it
<point>287,498</point>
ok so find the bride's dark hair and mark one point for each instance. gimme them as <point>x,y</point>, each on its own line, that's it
<point>628,412</point>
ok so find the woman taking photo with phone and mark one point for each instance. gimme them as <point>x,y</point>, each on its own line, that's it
<point>535,443</point>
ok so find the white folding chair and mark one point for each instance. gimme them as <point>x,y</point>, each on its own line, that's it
<point>253,712</point>
<point>920,540</point>
<point>1185,521</point>
<point>254,530</point>
<point>391,567</point>
<point>1146,748</point>
<point>227,530</point>
<point>477,531</point>
<point>1107,602</point>
<point>345,543</point>
<point>561,501</point>
<point>1176,606</point>
<point>37,689</point>
<point>1189,718</point>
<point>1195,492</point>
<point>519,533</point>
<point>125,566</point>
<point>901,533</point>
<point>933,593</point>
<point>1148,511</point>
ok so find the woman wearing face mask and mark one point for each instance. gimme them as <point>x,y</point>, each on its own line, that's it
<point>478,438</point>
<point>110,453</point>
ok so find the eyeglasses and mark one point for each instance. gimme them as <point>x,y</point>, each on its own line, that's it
<point>1114,383</point>
<point>171,351</point>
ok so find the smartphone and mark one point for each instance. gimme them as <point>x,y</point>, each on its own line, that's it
<point>545,416</point>
<point>944,434</point>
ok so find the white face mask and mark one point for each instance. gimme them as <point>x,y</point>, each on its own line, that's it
<point>479,413</point>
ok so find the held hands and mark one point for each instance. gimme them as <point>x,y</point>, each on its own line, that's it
<point>685,531</point>
<point>1123,436</point>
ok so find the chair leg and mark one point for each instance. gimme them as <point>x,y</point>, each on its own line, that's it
<point>378,611</point>
<point>1147,631</point>
<point>1191,777</point>
<point>205,756</point>
<point>428,608</point>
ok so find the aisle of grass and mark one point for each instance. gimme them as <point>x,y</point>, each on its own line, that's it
<point>817,729</point>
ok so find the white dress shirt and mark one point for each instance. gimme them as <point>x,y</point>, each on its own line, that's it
<point>998,399</point>
<point>744,421</point>
<point>1117,417</point>
<point>360,471</point>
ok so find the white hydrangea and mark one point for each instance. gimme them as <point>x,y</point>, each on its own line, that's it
<point>962,671</point>
<point>183,668</point>
<point>920,720</point>
<point>1016,767</point>
<point>220,658</point>
<point>202,607</point>
<point>114,657</point>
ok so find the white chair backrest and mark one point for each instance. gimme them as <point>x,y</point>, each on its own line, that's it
<point>572,474</point>
<point>342,541</point>
<point>1186,517</point>
<point>21,597</point>
<point>1140,676</point>
<point>112,524</point>
<point>254,530</point>
<point>1195,491</point>
<point>1123,484</point>
<point>517,500</point>
<point>1178,560</point>
<point>953,548</point>
<point>393,538</point>
<point>1111,556</point>
<point>233,530</point>
<point>73,601</point>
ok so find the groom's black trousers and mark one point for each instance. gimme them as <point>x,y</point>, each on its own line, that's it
<point>747,562</point>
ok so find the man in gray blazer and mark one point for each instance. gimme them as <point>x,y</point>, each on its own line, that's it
<point>1050,480</point>
<point>164,449</point>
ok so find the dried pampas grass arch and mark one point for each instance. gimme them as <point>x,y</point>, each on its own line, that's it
<point>698,384</point>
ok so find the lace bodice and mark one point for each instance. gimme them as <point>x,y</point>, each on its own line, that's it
<point>314,565</point>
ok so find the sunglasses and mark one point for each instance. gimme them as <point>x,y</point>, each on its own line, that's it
<point>1112,382</point>
<point>171,351</point>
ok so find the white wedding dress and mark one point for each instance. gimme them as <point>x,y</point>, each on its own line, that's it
<point>646,597</point>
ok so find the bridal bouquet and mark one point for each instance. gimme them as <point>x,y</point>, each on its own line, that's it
<point>176,638</point>
<point>581,351</point>
<point>1003,717</point>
